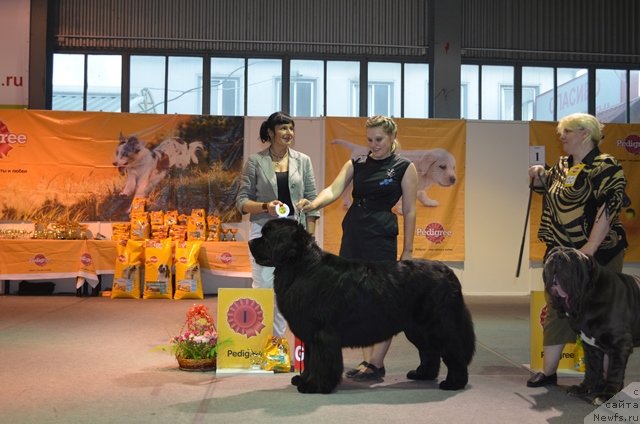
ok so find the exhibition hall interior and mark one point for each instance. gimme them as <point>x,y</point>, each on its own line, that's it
<point>144,147</point>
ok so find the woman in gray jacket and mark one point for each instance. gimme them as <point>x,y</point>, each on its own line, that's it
<point>271,178</point>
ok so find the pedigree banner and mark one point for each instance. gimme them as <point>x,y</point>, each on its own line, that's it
<point>437,148</point>
<point>621,141</point>
<point>88,166</point>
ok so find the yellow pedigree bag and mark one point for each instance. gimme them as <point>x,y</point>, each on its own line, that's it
<point>276,356</point>
<point>188,277</point>
<point>126,276</point>
<point>157,269</point>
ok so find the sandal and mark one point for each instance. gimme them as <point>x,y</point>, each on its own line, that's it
<point>371,373</point>
<point>356,370</point>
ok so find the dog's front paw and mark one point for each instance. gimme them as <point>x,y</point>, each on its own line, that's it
<point>579,390</point>
<point>452,385</point>
<point>307,387</point>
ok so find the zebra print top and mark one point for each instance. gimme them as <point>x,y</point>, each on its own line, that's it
<point>575,193</point>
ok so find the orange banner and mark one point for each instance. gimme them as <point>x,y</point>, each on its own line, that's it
<point>437,147</point>
<point>623,142</point>
<point>88,166</point>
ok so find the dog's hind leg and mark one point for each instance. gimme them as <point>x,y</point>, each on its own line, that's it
<point>429,358</point>
<point>323,364</point>
<point>457,372</point>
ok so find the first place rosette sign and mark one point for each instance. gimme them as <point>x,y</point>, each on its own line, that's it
<point>245,319</point>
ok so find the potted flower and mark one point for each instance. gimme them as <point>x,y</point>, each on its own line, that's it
<point>196,347</point>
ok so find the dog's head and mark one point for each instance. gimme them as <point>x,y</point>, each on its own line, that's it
<point>567,275</point>
<point>127,151</point>
<point>438,166</point>
<point>282,241</point>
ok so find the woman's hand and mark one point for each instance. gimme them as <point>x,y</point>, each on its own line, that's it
<point>304,205</point>
<point>536,173</point>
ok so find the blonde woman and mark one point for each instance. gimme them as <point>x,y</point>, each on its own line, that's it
<point>370,228</point>
<point>583,194</point>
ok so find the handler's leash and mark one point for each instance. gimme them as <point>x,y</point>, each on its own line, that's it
<point>524,233</point>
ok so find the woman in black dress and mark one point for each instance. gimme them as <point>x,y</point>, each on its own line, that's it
<point>370,227</point>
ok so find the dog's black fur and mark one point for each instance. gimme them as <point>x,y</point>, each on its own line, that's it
<point>604,308</point>
<point>330,303</point>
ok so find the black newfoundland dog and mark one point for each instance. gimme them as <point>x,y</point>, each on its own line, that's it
<point>331,303</point>
<point>604,308</point>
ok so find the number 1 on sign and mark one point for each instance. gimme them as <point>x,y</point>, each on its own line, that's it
<point>536,155</point>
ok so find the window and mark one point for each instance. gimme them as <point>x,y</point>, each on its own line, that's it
<point>469,91</point>
<point>572,92</point>
<point>611,95</point>
<point>184,88</point>
<point>263,93</point>
<point>103,75</point>
<point>342,77</point>
<point>634,98</point>
<point>227,86</point>
<point>306,92</point>
<point>68,82</point>
<point>146,84</point>
<point>383,89</point>
<point>496,102</point>
<point>416,90</point>
<point>537,82</point>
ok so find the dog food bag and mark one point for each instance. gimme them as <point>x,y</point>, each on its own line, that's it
<point>170,218</point>
<point>213,228</point>
<point>156,218</point>
<point>157,269</point>
<point>188,276</point>
<point>138,204</point>
<point>120,230</point>
<point>140,226</point>
<point>276,356</point>
<point>196,228</point>
<point>126,277</point>
<point>178,232</point>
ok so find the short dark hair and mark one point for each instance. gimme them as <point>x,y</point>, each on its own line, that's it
<point>276,118</point>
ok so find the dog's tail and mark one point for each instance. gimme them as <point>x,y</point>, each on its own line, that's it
<point>194,148</point>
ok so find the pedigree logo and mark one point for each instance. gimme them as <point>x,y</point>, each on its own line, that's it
<point>39,260</point>
<point>226,258</point>
<point>86,259</point>
<point>631,144</point>
<point>434,232</point>
<point>9,139</point>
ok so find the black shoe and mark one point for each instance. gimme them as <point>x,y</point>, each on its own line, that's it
<point>356,370</point>
<point>371,373</point>
<point>540,380</point>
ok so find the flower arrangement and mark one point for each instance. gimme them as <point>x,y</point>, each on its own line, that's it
<point>198,338</point>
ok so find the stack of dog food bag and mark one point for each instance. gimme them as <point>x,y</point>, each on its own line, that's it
<point>165,245</point>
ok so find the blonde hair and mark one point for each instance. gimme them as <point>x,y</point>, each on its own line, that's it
<point>389,127</point>
<point>582,121</point>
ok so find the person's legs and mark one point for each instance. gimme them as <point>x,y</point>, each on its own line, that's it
<point>552,356</point>
<point>262,277</point>
<point>373,370</point>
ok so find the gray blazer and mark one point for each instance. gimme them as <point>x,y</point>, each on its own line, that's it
<point>258,182</point>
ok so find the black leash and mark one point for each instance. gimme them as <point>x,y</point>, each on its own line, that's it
<point>524,233</point>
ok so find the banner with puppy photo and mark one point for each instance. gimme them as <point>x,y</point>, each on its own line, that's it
<point>622,141</point>
<point>89,166</point>
<point>437,148</point>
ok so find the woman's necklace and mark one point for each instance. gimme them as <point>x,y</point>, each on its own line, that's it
<point>277,159</point>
